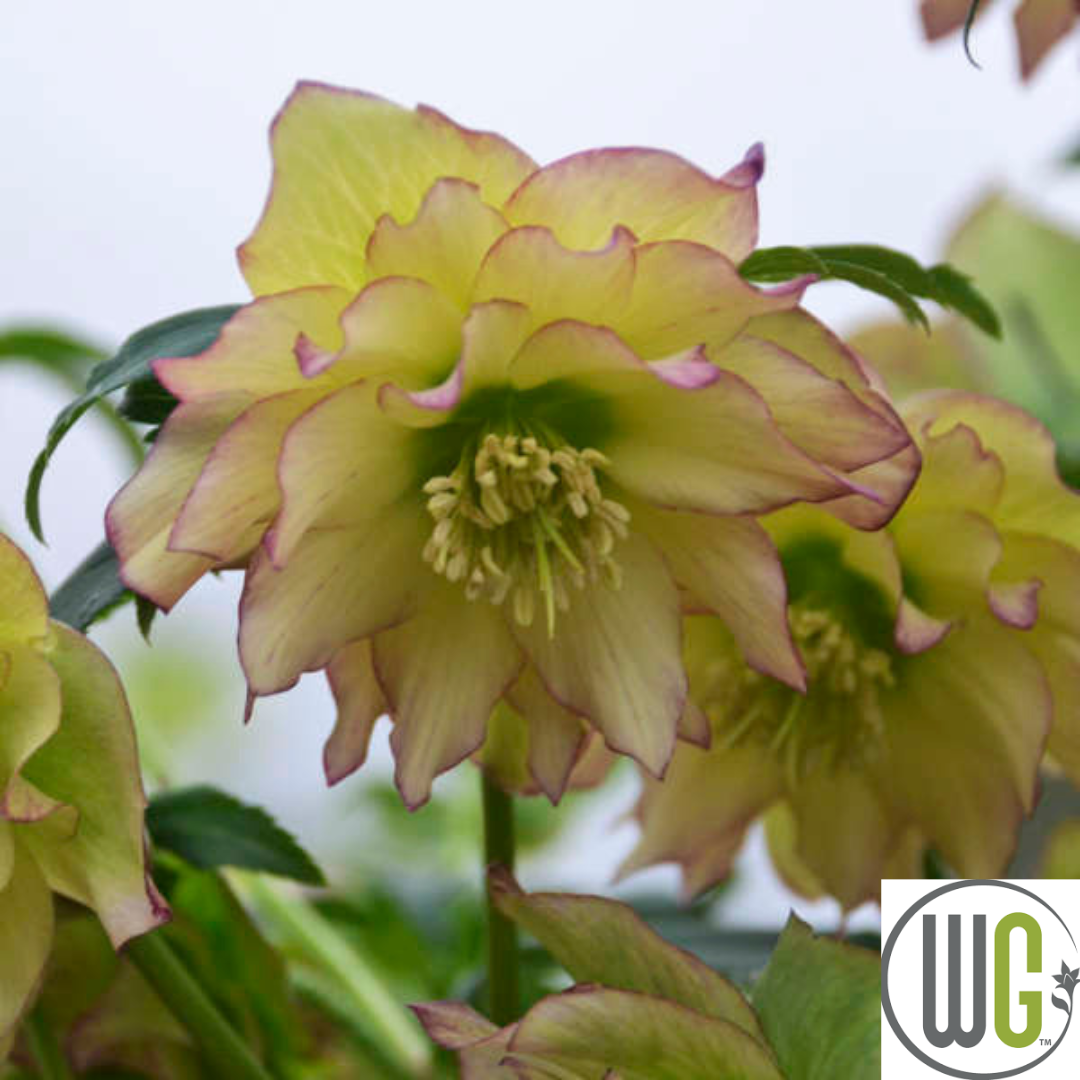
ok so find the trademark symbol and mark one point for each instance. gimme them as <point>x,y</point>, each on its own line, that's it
<point>1045,1042</point>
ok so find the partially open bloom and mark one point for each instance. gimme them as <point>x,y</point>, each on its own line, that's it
<point>1040,24</point>
<point>480,425</point>
<point>940,652</point>
<point>71,801</point>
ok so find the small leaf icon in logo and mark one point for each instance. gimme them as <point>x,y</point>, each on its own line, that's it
<point>1066,981</point>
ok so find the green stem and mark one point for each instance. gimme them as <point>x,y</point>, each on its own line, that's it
<point>229,1055</point>
<point>504,996</point>
<point>44,1047</point>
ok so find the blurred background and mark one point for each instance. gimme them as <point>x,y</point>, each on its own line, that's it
<point>135,159</point>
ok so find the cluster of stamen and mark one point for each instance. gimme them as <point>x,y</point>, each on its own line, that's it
<point>518,521</point>
<point>838,721</point>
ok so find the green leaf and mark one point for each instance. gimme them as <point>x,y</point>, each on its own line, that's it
<point>146,401</point>
<point>180,335</point>
<point>781,264</point>
<point>209,828</point>
<point>956,292</point>
<point>877,282</point>
<point>820,1005</point>
<point>49,348</point>
<point>92,590</point>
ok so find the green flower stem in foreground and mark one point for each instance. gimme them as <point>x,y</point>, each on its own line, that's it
<point>48,1057</point>
<point>503,994</point>
<point>222,1047</point>
<point>294,924</point>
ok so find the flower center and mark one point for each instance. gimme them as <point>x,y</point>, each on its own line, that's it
<point>838,721</point>
<point>524,522</point>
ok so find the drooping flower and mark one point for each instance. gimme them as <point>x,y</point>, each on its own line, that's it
<point>480,425</point>
<point>1040,24</point>
<point>643,1009</point>
<point>942,654</point>
<point>71,801</point>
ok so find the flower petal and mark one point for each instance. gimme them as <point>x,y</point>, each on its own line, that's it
<point>442,673</point>
<point>341,160</point>
<point>29,714</point>
<point>91,763</point>
<point>255,352</point>
<point>341,464</point>
<point>611,664</point>
<point>360,703</point>
<point>731,566</point>
<point>656,195</point>
<point>444,244</point>
<point>686,294</point>
<point>966,729</point>
<point>141,517</point>
<point>1040,24</point>
<point>236,493</point>
<point>338,586</point>
<point>26,936</point>
<point>680,442</point>
<point>24,607</point>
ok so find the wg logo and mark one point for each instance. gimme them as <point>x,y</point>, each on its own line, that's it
<point>978,979</point>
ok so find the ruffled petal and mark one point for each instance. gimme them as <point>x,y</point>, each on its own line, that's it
<point>966,728</point>
<point>91,764</point>
<point>24,607</point>
<point>680,434</point>
<point>360,702</point>
<point>656,195</point>
<point>339,585</point>
<point>140,518</point>
<point>342,463</point>
<point>698,816</point>
<point>530,266</point>
<point>26,936</point>
<point>615,657</point>
<point>236,493</point>
<point>341,160</point>
<point>255,351</point>
<point>444,244</point>
<point>442,673</point>
<point>686,295</point>
<point>731,566</point>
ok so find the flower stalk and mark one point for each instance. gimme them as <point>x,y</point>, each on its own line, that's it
<point>504,997</point>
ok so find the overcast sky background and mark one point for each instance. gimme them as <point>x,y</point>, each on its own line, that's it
<point>134,159</point>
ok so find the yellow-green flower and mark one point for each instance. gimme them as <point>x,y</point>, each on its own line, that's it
<point>481,424</point>
<point>71,801</point>
<point>1040,24</point>
<point>940,652</point>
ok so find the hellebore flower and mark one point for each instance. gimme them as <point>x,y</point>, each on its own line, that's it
<point>480,423</point>
<point>938,653</point>
<point>1040,24</point>
<point>643,1009</point>
<point>71,801</point>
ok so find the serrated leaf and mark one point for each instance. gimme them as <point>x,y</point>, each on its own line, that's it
<point>877,282</point>
<point>92,590</point>
<point>819,1001</point>
<point>781,264</point>
<point>956,292</point>
<point>209,828</point>
<point>180,335</point>
<point>900,269</point>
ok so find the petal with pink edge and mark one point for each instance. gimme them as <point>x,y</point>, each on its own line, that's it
<point>686,294</point>
<point>731,566</point>
<point>680,434</point>
<point>91,763</point>
<point>610,663</point>
<point>236,493</point>
<point>342,463</point>
<point>341,160</point>
<point>141,517</point>
<point>359,702</point>
<point>338,586</point>
<point>444,244</point>
<point>656,195</point>
<point>1040,25</point>
<point>442,673</point>
<point>530,266</point>
<point>24,607</point>
<point>941,17</point>
<point>966,729</point>
<point>256,350</point>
